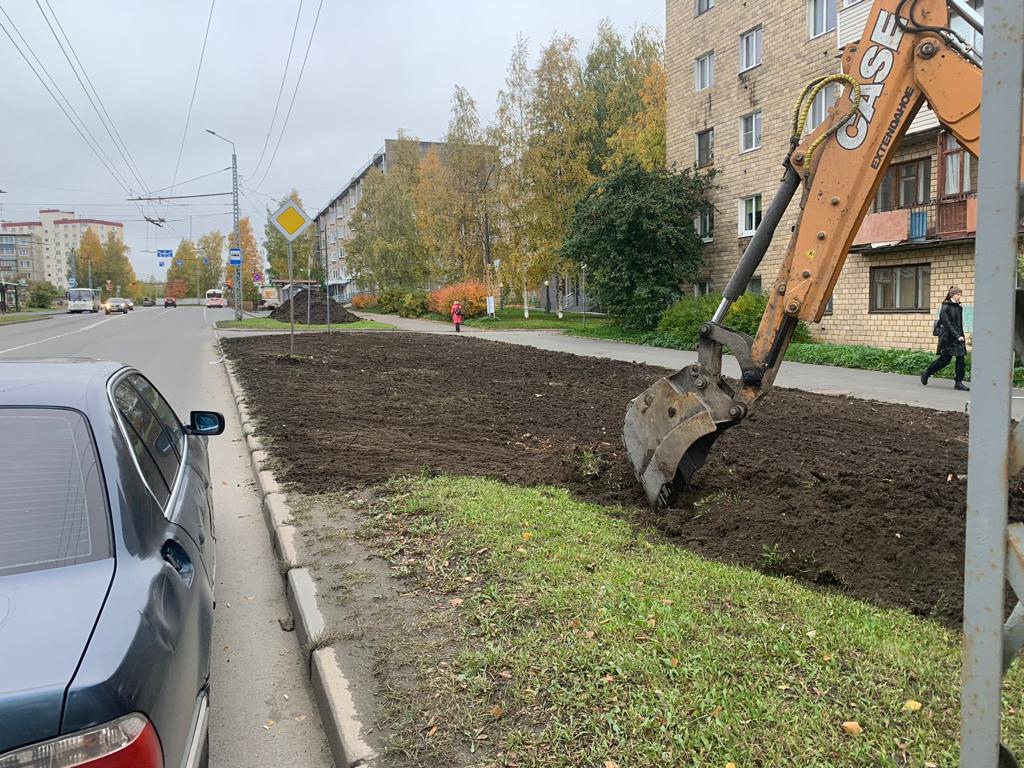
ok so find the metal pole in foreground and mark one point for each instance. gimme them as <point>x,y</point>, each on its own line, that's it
<point>291,302</point>
<point>327,293</point>
<point>238,240</point>
<point>989,447</point>
<point>309,289</point>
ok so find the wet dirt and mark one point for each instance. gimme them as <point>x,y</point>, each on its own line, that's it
<point>864,497</point>
<point>316,309</point>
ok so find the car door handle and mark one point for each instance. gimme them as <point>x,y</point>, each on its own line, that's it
<point>176,556</point>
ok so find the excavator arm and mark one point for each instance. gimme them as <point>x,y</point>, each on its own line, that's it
<point>907,55</point>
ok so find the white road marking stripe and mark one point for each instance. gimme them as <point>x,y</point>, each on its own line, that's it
<point>166,311</point>
<point>54,338</point>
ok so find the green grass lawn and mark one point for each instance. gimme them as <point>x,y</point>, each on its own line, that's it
<point>24,316</point>
<point>511,319</point>
<point>269,324</point>
<point>572,638</point>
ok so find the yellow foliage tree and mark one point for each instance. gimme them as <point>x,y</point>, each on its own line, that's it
<point>252,260</point>
<point>642,137</point>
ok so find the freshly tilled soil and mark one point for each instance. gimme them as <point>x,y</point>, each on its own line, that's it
<point>848,494</point>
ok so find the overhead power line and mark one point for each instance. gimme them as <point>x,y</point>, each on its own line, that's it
<point>79,126</point>
<point>189,181</point>
<point>295,92</point>
<point>107,123</point>
<point>195,87</point>
<point>280,92</point>
<point>183,197</point>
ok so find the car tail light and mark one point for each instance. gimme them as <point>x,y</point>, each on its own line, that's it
<point>130,742</point>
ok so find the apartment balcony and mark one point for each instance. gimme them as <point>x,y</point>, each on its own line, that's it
<point>948,218</point>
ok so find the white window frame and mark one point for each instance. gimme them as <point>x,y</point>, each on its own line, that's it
<point>756,201</point>
<point>703,288</point>
<point>823,102</point>
<point>757,36</point>
<point>703,83</point>
<point>704,225</point>
<point>818,11</point>
<point>754,133</point>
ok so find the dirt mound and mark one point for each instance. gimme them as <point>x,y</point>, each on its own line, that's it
<point>850,494</point>
<point>317,308</point>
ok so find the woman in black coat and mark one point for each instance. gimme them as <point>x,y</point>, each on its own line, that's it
<point>951,339</point>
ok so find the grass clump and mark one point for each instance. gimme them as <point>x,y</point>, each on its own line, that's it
<point>269,324</point>
<point>577,639</point>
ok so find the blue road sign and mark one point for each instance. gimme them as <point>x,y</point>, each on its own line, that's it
<point>206,261</point>
<point>180,262</point>
<point>72,283</point>
<point>166,254</point>
<point>161,263</point>
<point>235,257</point>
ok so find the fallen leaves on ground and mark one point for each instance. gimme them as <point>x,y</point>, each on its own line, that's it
<point>852,727</point>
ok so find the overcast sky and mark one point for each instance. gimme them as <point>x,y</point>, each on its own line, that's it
<point>373,68</point>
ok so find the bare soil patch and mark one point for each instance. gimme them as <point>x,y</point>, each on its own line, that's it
<point>850,494</point>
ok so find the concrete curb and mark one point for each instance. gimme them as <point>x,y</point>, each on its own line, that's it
<point>338,714</point>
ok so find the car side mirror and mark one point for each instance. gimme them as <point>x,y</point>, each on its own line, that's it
<point>205,423</point>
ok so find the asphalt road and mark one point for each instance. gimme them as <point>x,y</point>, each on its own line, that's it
<point>263,710</point>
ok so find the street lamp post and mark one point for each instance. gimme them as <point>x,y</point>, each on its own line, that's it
<point>235,212</point>
<point>547,297</point>
<point>487,231</point>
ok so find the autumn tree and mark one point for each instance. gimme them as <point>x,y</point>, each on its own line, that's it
<point>642,137</point>
<point>436,217</point>
<point>89,257</point>
<point>386,250</point>
<point>303,248</point>
<point>252,261</point>
<point>117,268</point>
<point>181,274</point>
<point>210,269</point>
<point>557,160</point>
<point>510,135</point>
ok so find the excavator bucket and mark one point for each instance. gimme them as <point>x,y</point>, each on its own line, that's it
<point>667,434</point>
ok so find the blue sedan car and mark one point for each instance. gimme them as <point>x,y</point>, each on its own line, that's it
<point>106,570</point>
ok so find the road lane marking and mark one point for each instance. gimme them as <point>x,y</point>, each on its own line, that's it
<point>54,338</point>
<point>166,311</point>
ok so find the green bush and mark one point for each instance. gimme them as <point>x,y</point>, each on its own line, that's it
<point>390,301</point>
<point>414,304</point>
<point>910,362</point>
<point>42,294</point>
<point>681,322</point>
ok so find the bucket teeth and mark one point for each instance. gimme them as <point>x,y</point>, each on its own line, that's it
<point>667,435</point>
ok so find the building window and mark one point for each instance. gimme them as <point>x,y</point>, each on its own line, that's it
<point>954,167</point>
<point>754,286</point>
<point>704,224</point>
<point>750,214</point>
<point>703,6</point>
<point>825,100</point>
<point>828,306</point>
<point>703,288</point>
<point>750,131</point>
<point>823,16</point>
<point>905,185</point>
<point>750,49</point>
<point>706,147</point>
<point>705,75</point>
<point>901,289</point>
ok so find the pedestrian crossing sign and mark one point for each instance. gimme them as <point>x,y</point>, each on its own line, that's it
<point>290,220</point>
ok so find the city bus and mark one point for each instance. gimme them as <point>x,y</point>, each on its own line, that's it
<point>215,298</point>
<point>83,300</point>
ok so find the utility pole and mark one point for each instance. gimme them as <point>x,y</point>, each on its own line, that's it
<point>236,212</point>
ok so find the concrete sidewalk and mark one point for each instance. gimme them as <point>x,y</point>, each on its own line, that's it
<point>823,379</point>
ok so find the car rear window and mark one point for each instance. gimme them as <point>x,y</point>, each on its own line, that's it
<point>52,509</point>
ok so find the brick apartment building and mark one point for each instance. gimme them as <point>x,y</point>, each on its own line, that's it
<point>735,70</point>
<point>60,233</point>
<point>21,257</point>
<point>334,222</point>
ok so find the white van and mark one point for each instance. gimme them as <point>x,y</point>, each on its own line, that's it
<point>83,300</point>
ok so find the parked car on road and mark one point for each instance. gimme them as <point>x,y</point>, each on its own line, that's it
<point>169,301</point>
<point>148,302</point>
<point>107,568</point>
<point>131,304</point>
<point>116,304</point>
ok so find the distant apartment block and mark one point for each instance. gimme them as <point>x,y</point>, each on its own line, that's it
<point>21,257</point>
<point>734,73</point>
<point>60,233</point>
<point>334,222</point>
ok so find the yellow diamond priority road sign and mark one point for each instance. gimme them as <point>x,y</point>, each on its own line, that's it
<point>290,220</point>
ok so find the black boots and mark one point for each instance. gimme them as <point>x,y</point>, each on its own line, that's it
<point>924,378</point>
<point>961,386</point>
